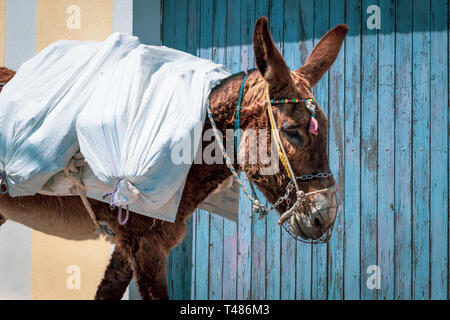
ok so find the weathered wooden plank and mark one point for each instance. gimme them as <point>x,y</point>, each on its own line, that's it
<point>336,158</point>
<point>245,207</point>
<point>203,217</point>
<point>180,25</point>
<point>299,30</point>
<point>247,23</point>
<point>192,45</point>
<point>202,255</point>
<point>439,151</point>
<point>421,149</point>
<point>403,142</point>
<point>179,268</point>
<point>168,23</point>
<point>206,32</point>
<point>170,275</point>
<point>258,284</point>
<point>230,228</point>
<point>386,143</point>
<point>448,143</point>
<point>220,32</point>
<point>194,256</point>
<point>188,259</point>
<point>233,36</point>
<point>216,222</point>
<point>273,243</point>
<point>229,259</point>
<point>244,262</point>
<point>259,225</point>
<point>273,266</point>
<point>352,151</point>
<point>193,27</point>
<point>292,57</point>
<point>215,257</point>
<point>369,152</point>
<point>168,41</point>
<point>319,255</point>
<point>175,270</point>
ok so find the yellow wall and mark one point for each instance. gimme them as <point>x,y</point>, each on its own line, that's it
<point>52,20</point>
<point>62,269</point>
<point>57,264</point>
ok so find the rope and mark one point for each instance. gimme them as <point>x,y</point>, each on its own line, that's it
<point>119,217</point>
<point>257,206</point>
<point>113,205</point>
<point>74,171</point>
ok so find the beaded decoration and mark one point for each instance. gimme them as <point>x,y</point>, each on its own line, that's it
<point>313,123</point>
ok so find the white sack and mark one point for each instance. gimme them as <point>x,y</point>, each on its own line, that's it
<point>38,108</point>
<point>142,110</point>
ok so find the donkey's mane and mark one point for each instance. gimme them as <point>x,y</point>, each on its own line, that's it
<point>229,78</point>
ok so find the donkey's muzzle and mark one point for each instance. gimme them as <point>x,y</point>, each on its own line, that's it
<point>315,215</point>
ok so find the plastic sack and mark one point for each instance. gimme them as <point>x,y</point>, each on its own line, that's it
<point>144,108</point>
<point>39,106</point>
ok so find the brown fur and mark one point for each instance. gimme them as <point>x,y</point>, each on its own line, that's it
<point>116,279</point>
<point>5,76</point>
<point>2,220</point>
<point>143,244</point>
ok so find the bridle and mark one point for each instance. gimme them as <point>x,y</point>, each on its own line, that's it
<point>302,197</point>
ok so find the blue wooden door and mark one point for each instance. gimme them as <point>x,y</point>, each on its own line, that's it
<point>387,101</point>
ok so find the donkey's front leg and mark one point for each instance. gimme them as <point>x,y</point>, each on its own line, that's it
<point>117,277</point>
<point>148,260</point>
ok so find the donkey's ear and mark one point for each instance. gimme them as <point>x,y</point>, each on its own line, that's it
<point>268,59</point>
<point>324,54</point>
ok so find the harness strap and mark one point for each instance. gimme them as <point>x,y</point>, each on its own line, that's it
<point>281,151</point>
<point>237,122</point>
<point>257,206</point>
<point>3,183</point>
<point>301,196</point>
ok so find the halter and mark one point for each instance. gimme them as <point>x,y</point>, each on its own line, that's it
<point>257,206</point>
<point>3,183</point>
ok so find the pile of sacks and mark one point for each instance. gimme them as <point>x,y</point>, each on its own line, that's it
<point>124,105</point>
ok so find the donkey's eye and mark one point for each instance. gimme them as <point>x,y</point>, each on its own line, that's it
<point>291,132</point>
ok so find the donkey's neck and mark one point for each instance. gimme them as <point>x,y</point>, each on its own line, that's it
<point>205,178</point>
<point>224,99</point>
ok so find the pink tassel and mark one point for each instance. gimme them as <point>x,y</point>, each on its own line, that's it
<point>314,126</point>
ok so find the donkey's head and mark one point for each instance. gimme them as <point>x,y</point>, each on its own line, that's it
<point>306,148</point>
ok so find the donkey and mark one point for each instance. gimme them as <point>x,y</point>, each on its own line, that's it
<point>143,244</point>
